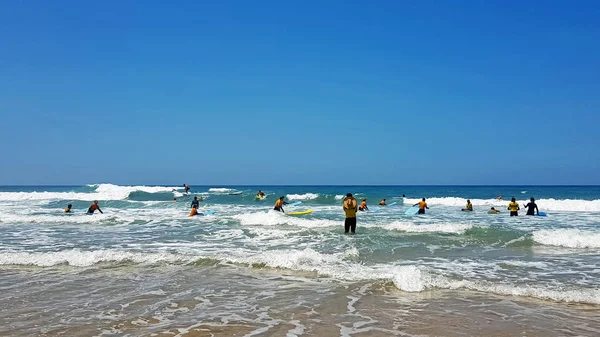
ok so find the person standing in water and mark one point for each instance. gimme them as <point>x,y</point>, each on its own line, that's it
<point>279,204</point>
<point>382,203</point>
<point>186,187</point>
<point>68,209</point>
<point>531,206</point>
<point>350,208</point>
<point>94,207</point>
<point>422,206</point>
<point>363,206</point>
<point>513,207</point>
<point>469,206</point>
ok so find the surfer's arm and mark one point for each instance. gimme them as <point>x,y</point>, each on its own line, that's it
<point>99,210</point>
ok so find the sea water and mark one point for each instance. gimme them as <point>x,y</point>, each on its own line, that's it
<point>144,267</point>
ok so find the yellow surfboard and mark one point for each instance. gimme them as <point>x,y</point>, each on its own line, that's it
<point>300,213</point>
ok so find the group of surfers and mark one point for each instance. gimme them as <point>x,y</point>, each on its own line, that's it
<point>513,207</point>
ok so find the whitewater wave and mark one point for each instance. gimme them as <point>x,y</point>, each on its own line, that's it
<point>220,190</point>
<point>306,196</point>
<point>272,218</point>
<point>543,204</point>
<point>409,278</point>
<point>100,192</point>
<point>411,227</point>
<point>571,238</point>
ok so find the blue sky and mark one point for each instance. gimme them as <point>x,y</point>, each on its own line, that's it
<point>299,92</point>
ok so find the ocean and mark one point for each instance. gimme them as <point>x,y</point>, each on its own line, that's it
<point>144,268</point>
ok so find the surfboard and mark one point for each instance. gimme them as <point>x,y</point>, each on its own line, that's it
<point>300,213</point>
<point>392,204</point>
<point>295,203</point>
<point>541,214</point>
<point>209,212</point>
<point>236,193</point>
<point>412,211</point>
<point>258,197</point>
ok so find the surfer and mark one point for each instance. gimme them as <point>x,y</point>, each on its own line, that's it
<point>513,207</point>
<point>363,206</point>
<point>174,199</point>
<point>186,187</point>
<point>422,206</point>
<point>68,209</point>
<point>94,207</point>
<point>382,203</point>
<point>493,211</point>
<point>279,205</point>
<point>531,206</point>
<point>350,208</point>
<point>260,194</point>
<point>469,206</point>
<point>195,202</point>
<point>499,197</point>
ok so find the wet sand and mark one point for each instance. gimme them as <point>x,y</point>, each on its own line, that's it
<point>242,301</point>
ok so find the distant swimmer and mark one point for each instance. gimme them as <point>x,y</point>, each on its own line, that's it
<point>531,206</point>
<point>499,197</point>
<point>363,206</point>
<point>403,195</point>
<point>350,208</point>
<point>422,206</point>
<point>260,194</point>
<point>186,187</point>
<point>68,209</point>
<point>382,203</point>
<point>279,205</point>
<point>493,211</point>
<point>513,207</point>
<point>174,199</point>
<point>94,207</point>
<point>469,207</point>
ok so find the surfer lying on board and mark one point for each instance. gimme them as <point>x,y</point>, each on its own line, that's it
<point>422,206</point>
<point>382,203</point>
<point>493,211</point>
<point>260,194</point>
<point>363,206</point>
<point>279,205</point>
<point>94,207</point>
<point>469,206</point>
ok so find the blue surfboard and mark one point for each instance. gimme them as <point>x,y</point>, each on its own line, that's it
<point>295,203</point>
<point>392,204</point>
<point>541,214</point>
<point>209,212</point>
<point>412,211</point>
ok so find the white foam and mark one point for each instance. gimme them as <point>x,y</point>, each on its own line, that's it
<point>220,190</point>
<point>102,192</point>
<point>80,258</point>
<point>339,197</point>
<point>272,218</point>
<point>411,227</point>
<point>571,238</point>
<point>543,204</point>
<point>306,196</point>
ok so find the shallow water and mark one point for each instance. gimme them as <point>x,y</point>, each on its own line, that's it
<point>145,267</point>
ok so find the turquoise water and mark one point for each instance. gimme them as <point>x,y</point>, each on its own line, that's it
<point>553,258</point>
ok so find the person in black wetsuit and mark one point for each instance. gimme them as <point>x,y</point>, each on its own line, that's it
<point>531,206</point>
<point>195,202</point>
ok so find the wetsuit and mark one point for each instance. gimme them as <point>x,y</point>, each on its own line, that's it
<point>531,207</point>
<point>513,207</point>
<point>350,208</point>
<point>195,203</point>
<point>363,206</point>
<point>94,207</point>
<point>279,205</point>
<point>422,206</point>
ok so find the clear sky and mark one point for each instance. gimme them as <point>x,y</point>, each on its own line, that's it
<point>300,92</point>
